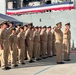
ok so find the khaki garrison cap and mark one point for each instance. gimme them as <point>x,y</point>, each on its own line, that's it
<point>11,22</point>
<point>21,27</point>
<point>59,24</point>
<point>40,27</point>
<point>44,27</point>
<point>30,24</point>
<point>36,27</point>
<point>67,24</point>
<point>49,26</point>
<point>5,22</point>
<point>25,25</point>
<point>18,24</point>
<point>13,28</point>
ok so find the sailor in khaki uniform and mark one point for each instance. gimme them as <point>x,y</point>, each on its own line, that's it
<point>4,46</point>
<point>58,42</point>
<point>36,44</point>
<point>29,40</point>
<point>66,42</point>
<point>10,24</point>
<point>39,30</point>
<point>21,46</point>
<point>43,40</point>
<point>18,28</point>
<point>33,29</point>
<point>13,41</point>
<point>49,42</point>
<point>53,43</point>
<point>10,27</point>
<point>25,29</point>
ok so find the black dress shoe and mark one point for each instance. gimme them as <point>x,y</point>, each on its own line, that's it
<point>60,62</point>
<point>7,68</point>
<point>40,55</point>
<point>31,61</point>
<point>23,63</point>
<point>25,58</point>
<point>50,56</point>
<point>33,57</point>
<point>43,57</point>
<point>16,65</point>
<point>54,55</point>
<point>67,59</point>
<point>38,59</point>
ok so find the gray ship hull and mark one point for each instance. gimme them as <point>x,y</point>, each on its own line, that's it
<point>51,18</point>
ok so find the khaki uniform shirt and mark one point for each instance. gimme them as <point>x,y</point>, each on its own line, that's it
<point>9,30</point>
<point>21,39</point>
<point>13,41</point>
<point>4,37</point>
<point>49,34</point>
<point>29,35</point>
<point>58,36</point>
<point>36,36</point>
<point>17,31</point>
<point>67,35</point>
<point>43,36</point>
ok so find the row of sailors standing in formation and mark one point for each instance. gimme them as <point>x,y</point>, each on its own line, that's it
<point>26,42</point>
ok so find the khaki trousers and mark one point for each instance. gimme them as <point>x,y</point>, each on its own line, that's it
<point>4,56</point>
<point>40,49</point>
<point>14,55</point>
<point>36,49</point>
<point>49,48</point>
<point>58,46</point>
<point>66,47</point>
<point>29,49</point>
<point>44,48</point>
<point>21,54</point>
<point>9,56</point>
<point>53,48</point>
<point>25,51</point>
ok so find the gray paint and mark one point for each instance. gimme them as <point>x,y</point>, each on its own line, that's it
<point>51,19</point>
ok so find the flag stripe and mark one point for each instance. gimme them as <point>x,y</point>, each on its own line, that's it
<point>63,6</point>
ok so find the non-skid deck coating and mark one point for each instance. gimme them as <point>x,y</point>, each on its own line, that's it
<point>44,67</point>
